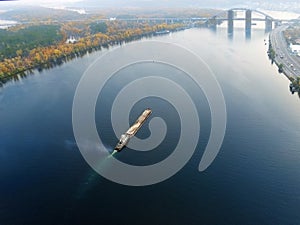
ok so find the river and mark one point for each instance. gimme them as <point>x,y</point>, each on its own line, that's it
<point>4,24</point>
<point>253,180</point>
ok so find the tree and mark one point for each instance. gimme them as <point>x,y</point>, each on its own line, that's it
<point>280,68</point>
<point>98,28</point>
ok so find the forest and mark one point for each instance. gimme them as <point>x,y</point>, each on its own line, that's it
<point>20,42</point>
<point>25,48</point>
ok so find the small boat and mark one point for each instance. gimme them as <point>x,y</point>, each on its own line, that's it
<point>162,32</point>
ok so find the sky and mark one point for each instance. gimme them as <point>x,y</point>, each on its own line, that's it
<point>135,2</point>
<point>161,3</point>
<point>39,2</point>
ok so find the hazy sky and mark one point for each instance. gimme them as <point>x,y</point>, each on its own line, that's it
<point>40,2</point>
<point>158,3</point>
<point>136,2</point>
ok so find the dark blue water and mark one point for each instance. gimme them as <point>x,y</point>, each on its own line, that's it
<point>255,179</point>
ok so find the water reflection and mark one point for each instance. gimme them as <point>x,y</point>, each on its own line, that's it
<point>248,35</point>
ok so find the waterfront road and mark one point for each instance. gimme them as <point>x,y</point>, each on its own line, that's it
<point>284,55</point>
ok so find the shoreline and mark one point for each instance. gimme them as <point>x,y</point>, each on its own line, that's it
<point>279,54</point>
<point>55,61</point>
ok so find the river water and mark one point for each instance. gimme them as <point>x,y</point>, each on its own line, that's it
<point>255,179</point>
<point>4,24</point>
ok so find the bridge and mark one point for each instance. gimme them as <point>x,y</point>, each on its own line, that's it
<point>230,16</point>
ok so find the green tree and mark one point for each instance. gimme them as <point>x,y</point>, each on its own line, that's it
<point>98,28</point>
<point>280,68</point>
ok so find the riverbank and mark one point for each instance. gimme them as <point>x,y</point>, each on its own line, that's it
<point>287,63</point>
<point>46,57</point>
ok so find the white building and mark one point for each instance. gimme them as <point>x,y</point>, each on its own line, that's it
<point>71,40</point>
<point>295,49</point>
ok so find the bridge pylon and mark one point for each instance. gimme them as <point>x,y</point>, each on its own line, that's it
<point>268,24</point>
<point>230,17</point>
<point>248,23</point>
